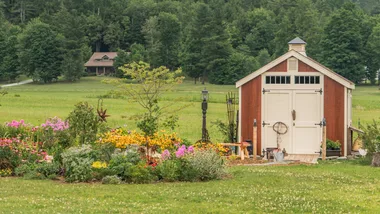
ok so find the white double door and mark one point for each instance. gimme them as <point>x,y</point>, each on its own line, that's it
<point>301,111</point>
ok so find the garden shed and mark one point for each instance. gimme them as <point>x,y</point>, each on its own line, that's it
<point>299,92</point>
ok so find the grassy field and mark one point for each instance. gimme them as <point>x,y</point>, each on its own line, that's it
<point>34,103</point>
<point>331,187</point>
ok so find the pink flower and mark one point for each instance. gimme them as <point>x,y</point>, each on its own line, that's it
<point>190,149</point>
<point>165,154</point>
<point>181,151</point>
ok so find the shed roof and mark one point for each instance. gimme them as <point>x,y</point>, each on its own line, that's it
<point>96,59</point>
<point>297,40</point>
<point>307,60</point>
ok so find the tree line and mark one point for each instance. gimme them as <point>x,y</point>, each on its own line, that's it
<point>219,41</point>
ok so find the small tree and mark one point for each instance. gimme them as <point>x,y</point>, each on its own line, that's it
<point>147,87</point>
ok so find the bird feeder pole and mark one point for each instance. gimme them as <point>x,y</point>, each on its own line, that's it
<point>254,139</point>
<point>324,139</point>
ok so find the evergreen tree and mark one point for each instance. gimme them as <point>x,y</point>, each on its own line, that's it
<point>373,54</point>
<point>193,63</point>
<point>9,65</point>
<point>342,43</point>
<point>153,43</point>
<point>170,32</point>
<point>40,52</point>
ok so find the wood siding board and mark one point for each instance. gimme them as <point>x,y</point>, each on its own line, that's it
<point>303,67</point>
<point>282,67</point>
<point>334,110</point>
<point>250,110</point>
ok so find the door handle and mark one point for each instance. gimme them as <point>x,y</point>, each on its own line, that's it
<point>294,114</point>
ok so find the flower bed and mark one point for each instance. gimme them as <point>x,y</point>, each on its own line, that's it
<point>118,156</point>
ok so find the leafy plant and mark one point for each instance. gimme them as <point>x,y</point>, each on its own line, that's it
<point>84,123</point>
<point>208,164</point>
<point>77,163</point>
<point>120,163</point>
<point>333,145</point>
<point>112,179</point>
<point>169,170</point>
<point>371,137</point>
<point>24,169</point>
<point>152,83</point>
<point>140,173</point>
<point>49,170</point>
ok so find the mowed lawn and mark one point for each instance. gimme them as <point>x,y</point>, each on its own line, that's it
<point>331,187</point>
<point>34,103</point>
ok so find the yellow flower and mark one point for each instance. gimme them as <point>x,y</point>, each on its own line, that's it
<point>99,164</point>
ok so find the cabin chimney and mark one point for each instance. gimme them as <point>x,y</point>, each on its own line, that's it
<point>298,45</point>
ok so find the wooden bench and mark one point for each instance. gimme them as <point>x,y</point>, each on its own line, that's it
<point>243,148</point>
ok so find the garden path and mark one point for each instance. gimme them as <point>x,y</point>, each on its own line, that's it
<point>17,83</point>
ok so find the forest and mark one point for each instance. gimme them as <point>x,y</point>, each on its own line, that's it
<point>219,41</point>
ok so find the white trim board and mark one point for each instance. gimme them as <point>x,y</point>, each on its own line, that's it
<point>292,53</point>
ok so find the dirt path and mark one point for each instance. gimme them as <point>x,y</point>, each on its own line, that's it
<point>17,83</point>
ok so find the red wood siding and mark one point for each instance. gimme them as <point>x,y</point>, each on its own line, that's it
<point>303,67</point>
<point>282,67</point>
<point>334,110</point>
<point>251,109</point>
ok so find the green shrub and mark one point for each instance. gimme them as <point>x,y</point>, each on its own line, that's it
<point>24,169</point>
<point>207,164</point>
<point>77,163</point>
<point>140,173</point>
<point>371,137</point>
<point>187,171</point>
<point>112,179</point>
<point>120,163</point>
<point>49,170</point>
<point>100,173</point>
<point>169,170</point>
<point>8,158</point>
<point>84,123</point>
<point>34,175</point>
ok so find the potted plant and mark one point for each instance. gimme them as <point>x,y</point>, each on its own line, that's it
<point>332,148</point>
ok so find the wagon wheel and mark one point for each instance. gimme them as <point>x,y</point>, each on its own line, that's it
<point>280,128</point>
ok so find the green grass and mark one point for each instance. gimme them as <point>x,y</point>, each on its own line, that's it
<point>34,103</point>
<point>331,187</point>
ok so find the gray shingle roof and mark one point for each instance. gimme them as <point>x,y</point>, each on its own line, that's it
<point>297,41</point>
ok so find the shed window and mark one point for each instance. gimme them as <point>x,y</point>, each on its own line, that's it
<point>277,79</point>
<point>306,79</point>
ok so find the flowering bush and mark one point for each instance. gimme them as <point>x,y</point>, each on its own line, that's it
<point>219,148</point>
<point>121,138</point>
<point>5,172</point>
<point>16,124</point>
<point>14,151</point>
<point>56,124</point>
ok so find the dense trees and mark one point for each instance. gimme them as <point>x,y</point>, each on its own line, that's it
<point>212,40</point>
<point>40,52</point>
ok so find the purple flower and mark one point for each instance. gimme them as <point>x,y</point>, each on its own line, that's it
<point>165,154</point>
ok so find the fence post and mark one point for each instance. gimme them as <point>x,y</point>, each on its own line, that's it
<point>324,139</point>
<point>254,143</point>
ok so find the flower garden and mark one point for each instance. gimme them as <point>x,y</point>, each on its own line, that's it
<point>83,148</point>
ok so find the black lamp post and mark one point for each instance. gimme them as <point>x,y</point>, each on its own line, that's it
<point>205,137</point>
